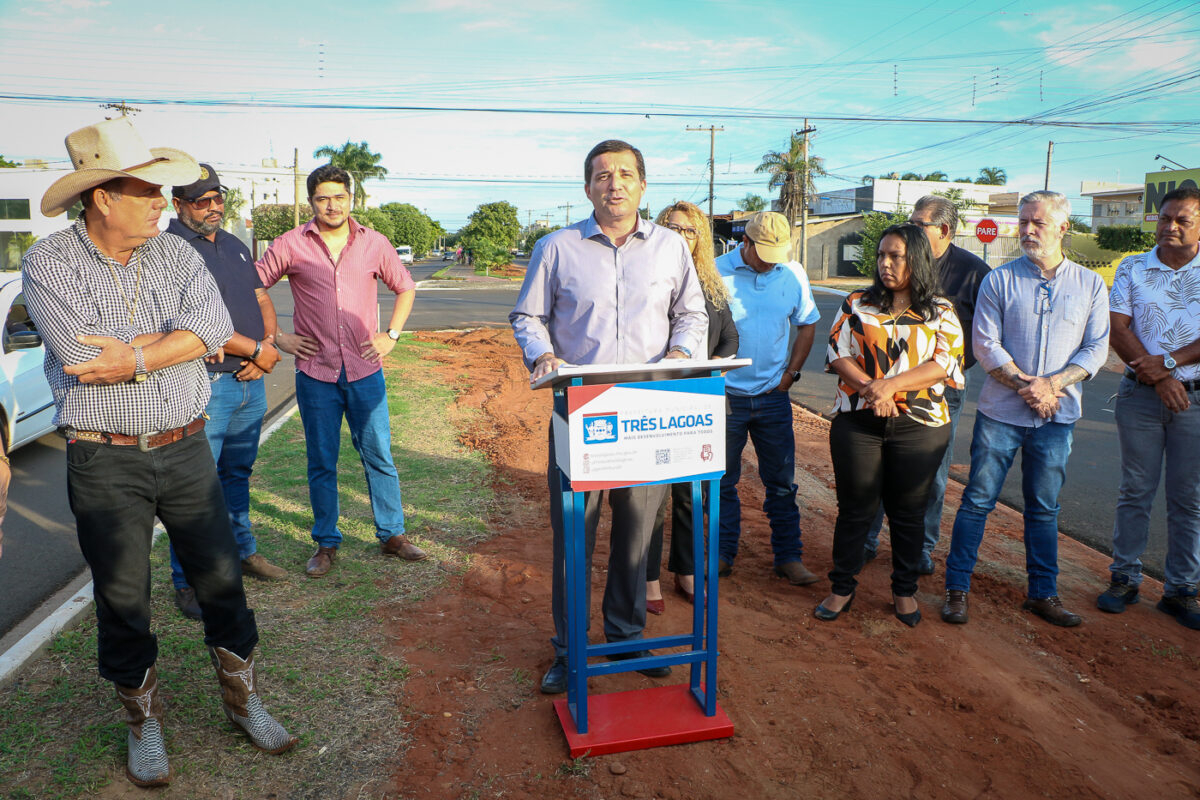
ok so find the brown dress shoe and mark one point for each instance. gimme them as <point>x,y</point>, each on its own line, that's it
<point>796,573</point>
<point>1051,609</point>
<point>259,567</point>
<point>401,547</point>
<point>955,609</point>
<point>321,562</point>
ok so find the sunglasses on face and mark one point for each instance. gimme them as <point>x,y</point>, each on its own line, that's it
<point>204,202</point>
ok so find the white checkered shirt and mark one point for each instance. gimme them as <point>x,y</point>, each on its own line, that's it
<point>70,292</point>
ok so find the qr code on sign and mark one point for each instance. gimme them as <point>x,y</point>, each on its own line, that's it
<point>662,456</point>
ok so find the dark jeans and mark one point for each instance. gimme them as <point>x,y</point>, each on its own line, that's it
<point>682,559</point>
<point>115,493</point>
<point>888,459</point>
<point>767,419</point>
<point>624,605</point>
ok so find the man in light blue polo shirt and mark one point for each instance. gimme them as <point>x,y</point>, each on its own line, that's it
<point>768,295</point>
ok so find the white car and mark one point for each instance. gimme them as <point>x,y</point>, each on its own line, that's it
<point>26,405</point>
<point>405,253</point>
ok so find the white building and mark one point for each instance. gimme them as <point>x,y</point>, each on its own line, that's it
<point>885,194</point>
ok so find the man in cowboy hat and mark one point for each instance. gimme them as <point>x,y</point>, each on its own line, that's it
<point>128,317</point>
<point>239,399</point>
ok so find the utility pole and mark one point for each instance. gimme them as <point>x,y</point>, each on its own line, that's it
<point>1049,155</point>
<point>804,195</point>
<point>296,187</point>
<point>568,208</point>
<point>712,148</point>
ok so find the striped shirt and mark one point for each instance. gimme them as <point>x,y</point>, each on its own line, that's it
<point>1041,326</point>
<point>336,304</point>
<point>71,291</point>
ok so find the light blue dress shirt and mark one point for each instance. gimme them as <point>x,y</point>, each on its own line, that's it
<point>765,306</point>
<point>591,302</point>
<point>1041,326</point>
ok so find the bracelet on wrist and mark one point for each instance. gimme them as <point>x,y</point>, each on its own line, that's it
<point>257,351</point>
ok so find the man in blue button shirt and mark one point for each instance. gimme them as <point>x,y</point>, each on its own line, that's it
<point>1041,327</point>
<point>239,399</point>
<point>769,295</point>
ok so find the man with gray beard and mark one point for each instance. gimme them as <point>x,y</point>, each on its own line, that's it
<point>239,400</point>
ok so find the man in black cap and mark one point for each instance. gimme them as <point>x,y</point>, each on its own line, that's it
<point>239,399</point>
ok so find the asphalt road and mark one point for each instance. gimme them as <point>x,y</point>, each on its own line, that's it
<point>41,555</point>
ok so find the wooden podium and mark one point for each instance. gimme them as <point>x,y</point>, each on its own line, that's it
<point>621,425</point>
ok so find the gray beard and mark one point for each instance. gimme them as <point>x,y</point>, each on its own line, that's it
<point>202,228</point>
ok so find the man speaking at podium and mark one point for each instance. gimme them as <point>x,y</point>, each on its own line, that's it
<point>611,289</point>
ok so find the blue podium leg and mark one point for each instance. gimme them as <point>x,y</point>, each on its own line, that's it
<point>574,551</point>
<point>710,599</point>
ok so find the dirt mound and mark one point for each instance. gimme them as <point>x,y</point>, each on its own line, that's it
<point>1006,706</point>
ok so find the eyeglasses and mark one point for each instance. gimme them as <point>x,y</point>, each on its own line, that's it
<point>687,233</point>
<point>204,202</point>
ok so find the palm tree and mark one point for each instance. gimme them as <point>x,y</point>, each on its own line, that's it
<point>752,202</point>
<point>936,175</point>
<point>995,176</point>
<point>357,159</point>
<point>792,176</point>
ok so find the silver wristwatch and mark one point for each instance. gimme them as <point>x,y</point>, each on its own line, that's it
<point>393,334</point>
<point>1169,362</point>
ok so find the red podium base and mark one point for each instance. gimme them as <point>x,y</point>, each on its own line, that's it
<point>640,719</point>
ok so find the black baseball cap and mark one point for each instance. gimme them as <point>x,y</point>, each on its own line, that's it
<point>208,182</point>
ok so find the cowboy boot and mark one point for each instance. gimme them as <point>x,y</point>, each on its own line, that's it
<point>146,764</point>
<point>242,704</point>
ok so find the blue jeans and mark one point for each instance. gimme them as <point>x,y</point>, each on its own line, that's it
<point>937,491</point>
<point>1148,433</point>
<point>235,416</point>
<point>767,418</point>
<point>1044,454</point>
<point>115,493</point>
<point>363,404</point>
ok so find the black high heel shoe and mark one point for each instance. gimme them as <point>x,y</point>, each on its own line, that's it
<point>825,615</point>
<point>910,619</point>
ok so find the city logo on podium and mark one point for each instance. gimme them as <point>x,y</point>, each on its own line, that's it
<point>706,452</point>
<point>599,428</point>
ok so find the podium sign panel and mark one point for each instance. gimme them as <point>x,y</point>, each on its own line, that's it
<point>633,434</point>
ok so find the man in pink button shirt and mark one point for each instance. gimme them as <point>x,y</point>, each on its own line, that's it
<point>333,266</point>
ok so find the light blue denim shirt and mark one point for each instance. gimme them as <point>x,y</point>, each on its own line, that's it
<point>1041,326</point>
<point>591,302</point>
<point>765,306</point>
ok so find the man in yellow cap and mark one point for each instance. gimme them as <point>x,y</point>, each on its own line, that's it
<point>128,317</point>
<point>768,295</point>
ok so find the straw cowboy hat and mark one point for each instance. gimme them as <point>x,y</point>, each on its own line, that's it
<point>113,149</point>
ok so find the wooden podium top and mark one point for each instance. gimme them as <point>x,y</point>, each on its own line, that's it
<point>667,369</point>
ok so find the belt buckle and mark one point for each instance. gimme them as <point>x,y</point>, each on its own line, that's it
<point>143,441</point>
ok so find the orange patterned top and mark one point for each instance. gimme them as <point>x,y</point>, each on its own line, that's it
<point>885,346</point>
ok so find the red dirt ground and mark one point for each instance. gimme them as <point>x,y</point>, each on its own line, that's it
<point>1003,707</point>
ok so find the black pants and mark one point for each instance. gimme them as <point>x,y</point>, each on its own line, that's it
<point>682,559</point>
<point>115,493</point>
<point>624,605</point>
<point>893,459</point>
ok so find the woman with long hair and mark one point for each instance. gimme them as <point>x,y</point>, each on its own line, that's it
<point>691,223</point>
<point>894,347</point>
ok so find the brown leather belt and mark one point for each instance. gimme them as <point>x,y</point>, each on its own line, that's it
<point>145,441</point>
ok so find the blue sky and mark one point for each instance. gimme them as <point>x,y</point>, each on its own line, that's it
<point>211,79</point>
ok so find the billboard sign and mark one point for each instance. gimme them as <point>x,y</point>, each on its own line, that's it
<point>1157,185</point>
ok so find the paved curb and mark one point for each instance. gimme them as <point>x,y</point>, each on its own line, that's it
<point>78,600</point>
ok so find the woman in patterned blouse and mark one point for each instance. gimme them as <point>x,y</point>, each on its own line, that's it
<point>894,347</point>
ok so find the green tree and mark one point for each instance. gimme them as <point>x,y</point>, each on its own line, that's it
<point>1124,238</point>
<point>866,179</point>
<point>995,176</point>
<point>936,175</point>
<point>753,202</point>
<point>272,220</point>
<point>235,201</point>
<point>955,196</point>
<point>4,162</point>
<point>964,180</point>
<point>357,159</point>
<point>537,234</point>
<point>412,227</point>
<point>911,176</point>
<point>491,231</point>
<point>376,220</point>
<point>792,176</point>
<point>874,224</point>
